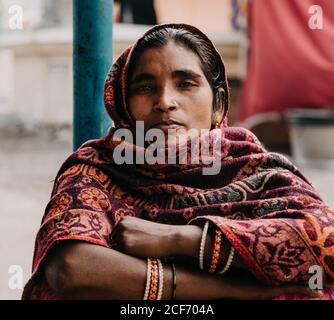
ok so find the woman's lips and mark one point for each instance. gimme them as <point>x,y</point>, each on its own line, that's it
<point>167,125</point>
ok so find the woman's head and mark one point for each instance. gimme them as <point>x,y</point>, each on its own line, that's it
<point>172,73</point>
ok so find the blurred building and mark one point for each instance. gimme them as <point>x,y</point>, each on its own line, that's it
<point>36,85</point>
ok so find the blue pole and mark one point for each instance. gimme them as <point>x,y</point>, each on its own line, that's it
<point>92,58</point>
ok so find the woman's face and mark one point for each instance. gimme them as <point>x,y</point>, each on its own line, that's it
<point>168,90</point>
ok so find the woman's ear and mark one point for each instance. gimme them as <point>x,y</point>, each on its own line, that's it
<point>217,117</point>
<point>218,110</point>
<point>221,93</point>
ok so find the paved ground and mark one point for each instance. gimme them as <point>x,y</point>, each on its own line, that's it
<point>27,168</point>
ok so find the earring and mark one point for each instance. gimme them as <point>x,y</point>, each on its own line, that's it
<point>217,125</point>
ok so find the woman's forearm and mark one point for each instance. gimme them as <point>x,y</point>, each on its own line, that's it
<point>95,272</point>
<point>188,240</point>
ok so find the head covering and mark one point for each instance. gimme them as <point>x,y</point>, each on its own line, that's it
<point>264,206</point>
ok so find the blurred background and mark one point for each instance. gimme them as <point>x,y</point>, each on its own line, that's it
<point>280,63</point>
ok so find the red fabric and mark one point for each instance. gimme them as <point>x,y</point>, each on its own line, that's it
<point>264,206</point>
<point>290,65</point>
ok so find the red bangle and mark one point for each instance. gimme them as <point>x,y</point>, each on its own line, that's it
<point>153,292</point>
<point>216,251</point>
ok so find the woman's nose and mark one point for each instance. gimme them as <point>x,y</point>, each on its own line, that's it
<point>165,102</point>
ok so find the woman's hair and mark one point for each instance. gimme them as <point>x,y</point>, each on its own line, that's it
<point>209,62</point>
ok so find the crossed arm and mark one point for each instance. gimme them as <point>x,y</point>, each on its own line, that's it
<point>78,270</point>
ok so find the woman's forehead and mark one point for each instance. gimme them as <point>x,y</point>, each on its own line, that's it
<point>169,58</point>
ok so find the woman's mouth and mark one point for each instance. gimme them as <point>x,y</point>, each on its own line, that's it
<point>167,125</point>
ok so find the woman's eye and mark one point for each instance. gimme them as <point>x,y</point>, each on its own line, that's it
<point>185,84</point>
<point>144,88</point>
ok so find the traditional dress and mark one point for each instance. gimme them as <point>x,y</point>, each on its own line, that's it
<point>265,207</point>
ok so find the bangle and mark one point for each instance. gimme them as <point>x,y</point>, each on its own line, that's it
<point>229,261</point>
<point>148,279</point>
<point>153,291</point>
<point>202,246</point>
<point>161,279</point>
<point>216,251</point>
<point>174,281</point>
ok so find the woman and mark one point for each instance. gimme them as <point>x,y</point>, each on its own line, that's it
<point>152,231</point>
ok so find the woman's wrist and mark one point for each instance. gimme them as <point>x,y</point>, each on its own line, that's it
<point>168,282</point>
<point>187,240</point>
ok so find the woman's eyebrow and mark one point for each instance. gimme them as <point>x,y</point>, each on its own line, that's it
<point>142,77</point>
<point>185,73</point>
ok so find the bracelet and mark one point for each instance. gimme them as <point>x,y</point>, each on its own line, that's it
<point>153,291</point>
<point>216,251</point>
<point>174,281</point>
<point>202,246</point>
<point>229,261</point>
<point>148,279</point>
<point>161,279</point>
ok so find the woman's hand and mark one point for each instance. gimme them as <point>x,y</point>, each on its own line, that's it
<point>260,292</point>
<point>243,286</point>
<point>142,238</point>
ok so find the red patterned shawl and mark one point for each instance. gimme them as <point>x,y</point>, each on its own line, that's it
<point>266,208</point>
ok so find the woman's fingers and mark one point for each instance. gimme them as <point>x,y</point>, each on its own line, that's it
<point>114,237</point>
<point>271,293</point>
<point>294,289</point>
<point>312,293</point>
<point>246,288</point>
<point>329,285</point>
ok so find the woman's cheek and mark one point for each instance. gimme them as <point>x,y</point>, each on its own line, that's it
<point>138,107</point>
<point>201,108</point>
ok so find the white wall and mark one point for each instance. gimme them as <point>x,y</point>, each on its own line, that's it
<point>36,77</point>
<point>6,82</point>
<point>43,90</point>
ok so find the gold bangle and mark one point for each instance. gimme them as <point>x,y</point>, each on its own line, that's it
<point>229,261</point>
<point>161,279</point>
<point>202,245</point>
<point>148,279</point>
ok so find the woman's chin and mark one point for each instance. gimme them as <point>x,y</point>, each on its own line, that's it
<point>174,138</point>
<point>177,139</point>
